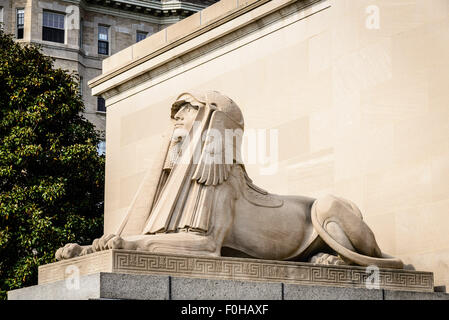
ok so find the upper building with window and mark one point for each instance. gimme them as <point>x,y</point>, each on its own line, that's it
<point>79,34</point>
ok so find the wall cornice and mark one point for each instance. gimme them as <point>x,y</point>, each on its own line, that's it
<point>162,61</point>
<point>148,11</point>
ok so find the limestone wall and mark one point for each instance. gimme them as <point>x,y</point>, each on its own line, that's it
<point>360,105</point>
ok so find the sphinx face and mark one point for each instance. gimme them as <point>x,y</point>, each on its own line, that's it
<point>184,118</point>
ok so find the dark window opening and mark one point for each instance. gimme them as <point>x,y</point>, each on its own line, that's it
<point>80,41</point>
<point>103,47</point>
<point>53,35</point>
<point>101,105</point>
<point>140,36</point>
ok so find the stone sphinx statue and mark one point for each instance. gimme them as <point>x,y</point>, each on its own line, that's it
<point>199,200</point>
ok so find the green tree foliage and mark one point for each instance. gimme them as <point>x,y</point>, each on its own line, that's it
<point>51,177</point>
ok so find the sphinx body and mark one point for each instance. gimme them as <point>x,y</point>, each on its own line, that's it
<point>204,203</point>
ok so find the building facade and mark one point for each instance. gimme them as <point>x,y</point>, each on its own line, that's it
<point>79,34</point>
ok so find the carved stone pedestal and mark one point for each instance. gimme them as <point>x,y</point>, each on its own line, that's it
<point>120,274</point>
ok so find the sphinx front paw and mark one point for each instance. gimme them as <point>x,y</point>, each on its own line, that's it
<point>69,251</point>
<point>116,242</point>
<point>100,244</point>
<point>111,241</point>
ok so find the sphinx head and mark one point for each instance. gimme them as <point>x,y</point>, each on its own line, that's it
<point>219,121</point>
<point>188,104</point>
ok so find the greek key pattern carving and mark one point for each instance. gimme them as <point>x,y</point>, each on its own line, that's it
<point>388,279</point>
<point>250,269</point>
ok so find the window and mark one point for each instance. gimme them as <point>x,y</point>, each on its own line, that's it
<point>1,18</point>
<point>81,86</point>
<point>53,27</point>
<point>20,20</point>
<point>141,35</point>
<point>101,148</point>
<point>101,105</point>
<point>80,42</point>
<point>103,40</point>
